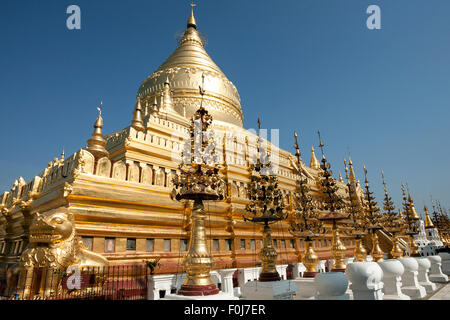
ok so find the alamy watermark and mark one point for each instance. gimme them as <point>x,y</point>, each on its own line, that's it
<point>374,20</point>
<point>213,148</point>
<point>73,21</point>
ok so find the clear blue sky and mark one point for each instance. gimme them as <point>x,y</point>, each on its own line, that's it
<point>298,65</point>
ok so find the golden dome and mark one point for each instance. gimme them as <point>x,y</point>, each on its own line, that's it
<point>184,69</point>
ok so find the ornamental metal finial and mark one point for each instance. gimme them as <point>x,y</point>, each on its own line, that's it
<point>191,21</point>
<point>96,144</point>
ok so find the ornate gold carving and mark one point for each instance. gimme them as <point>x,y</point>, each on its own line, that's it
<point>54,246</point>
<point>67,190</point>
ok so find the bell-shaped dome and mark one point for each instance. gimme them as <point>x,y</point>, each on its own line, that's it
<point>183,71</point>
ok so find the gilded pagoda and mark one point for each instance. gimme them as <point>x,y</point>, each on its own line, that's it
<point>115,192</point>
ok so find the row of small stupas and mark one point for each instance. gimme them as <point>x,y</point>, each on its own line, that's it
<point>117,189</point>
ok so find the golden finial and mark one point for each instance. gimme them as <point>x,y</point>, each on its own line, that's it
<point>63,154</point>
<point>428,221</point>
<point>384,183</point>
<point>346,171</point>
<point>314,164</point>
<point>137,122</point>
<point>297,150</point>
<point>191,21</point>
<point>365,175</point>
<point>340,178</point>
<point>96,144</point>
<point>320,143</point>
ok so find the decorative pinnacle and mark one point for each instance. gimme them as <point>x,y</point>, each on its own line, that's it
<point>202,91</point>
<point>384,183</point>
<point>96,144</point>
<point>137,122</point>
<point>314,164</point>
<point>191,21</point>
<point>297,150</point>
<point>365,175</point>
<point>346,172</point>
<point>321,144</point>
<point>99,108</point>
<point>259,128</point>
<point>428,221</point>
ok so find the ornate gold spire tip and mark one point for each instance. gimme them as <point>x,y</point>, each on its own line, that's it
<point>191,21</point>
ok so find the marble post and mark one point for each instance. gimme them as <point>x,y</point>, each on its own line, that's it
<point>445,262</point>
<point>365,278</point>
<point>298,270</point>
<point>392,279</point>
<point>411,286</point>
<point>226,277</point>
<point>248,274</point>
<point>163,283</point>
<point>282,271</point>
<point>436,274</point>
<point>424,267</point>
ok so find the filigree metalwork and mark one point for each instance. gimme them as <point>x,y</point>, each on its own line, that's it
<point>199,180</point>
<point>411,227</point>
<point>266,207</point>
<point>392,221</point>
<point>358,224</point>
<point>333,202</point>
<point>373,219</point>
<point>306,224</point>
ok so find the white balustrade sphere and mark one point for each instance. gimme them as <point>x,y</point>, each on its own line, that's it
<point>391,267</point>
<point>435,259</point>
<point>424,263</point>
<point>410,264</point>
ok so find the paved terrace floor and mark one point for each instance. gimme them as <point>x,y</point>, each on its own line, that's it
<point>442,292</point>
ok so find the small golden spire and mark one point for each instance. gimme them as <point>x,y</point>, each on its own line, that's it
<point>297,150</point>
<point>166,101</point>
<point>96,144</point>
<point>428,222</point>
<point>191,21</point>
<point>63,154</point>
<point>137,122</point>
<point>314,162</point>
<point>413,212</point>
<point>352,173</point>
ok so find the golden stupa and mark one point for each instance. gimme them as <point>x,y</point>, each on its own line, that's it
<point>117,190</point>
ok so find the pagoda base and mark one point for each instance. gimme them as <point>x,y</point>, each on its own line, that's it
<point>198,290</point>
<point>268,277</point>
<point>274,290</point>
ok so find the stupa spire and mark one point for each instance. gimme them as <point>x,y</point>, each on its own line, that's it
<point>428,221</point>
<point>96,144</point>
<point>166,100</point>
<point>413,212</point>
<point>352,172</point>
<point>314,162</point>
<point>191,21</point>
<point>137,122</point>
